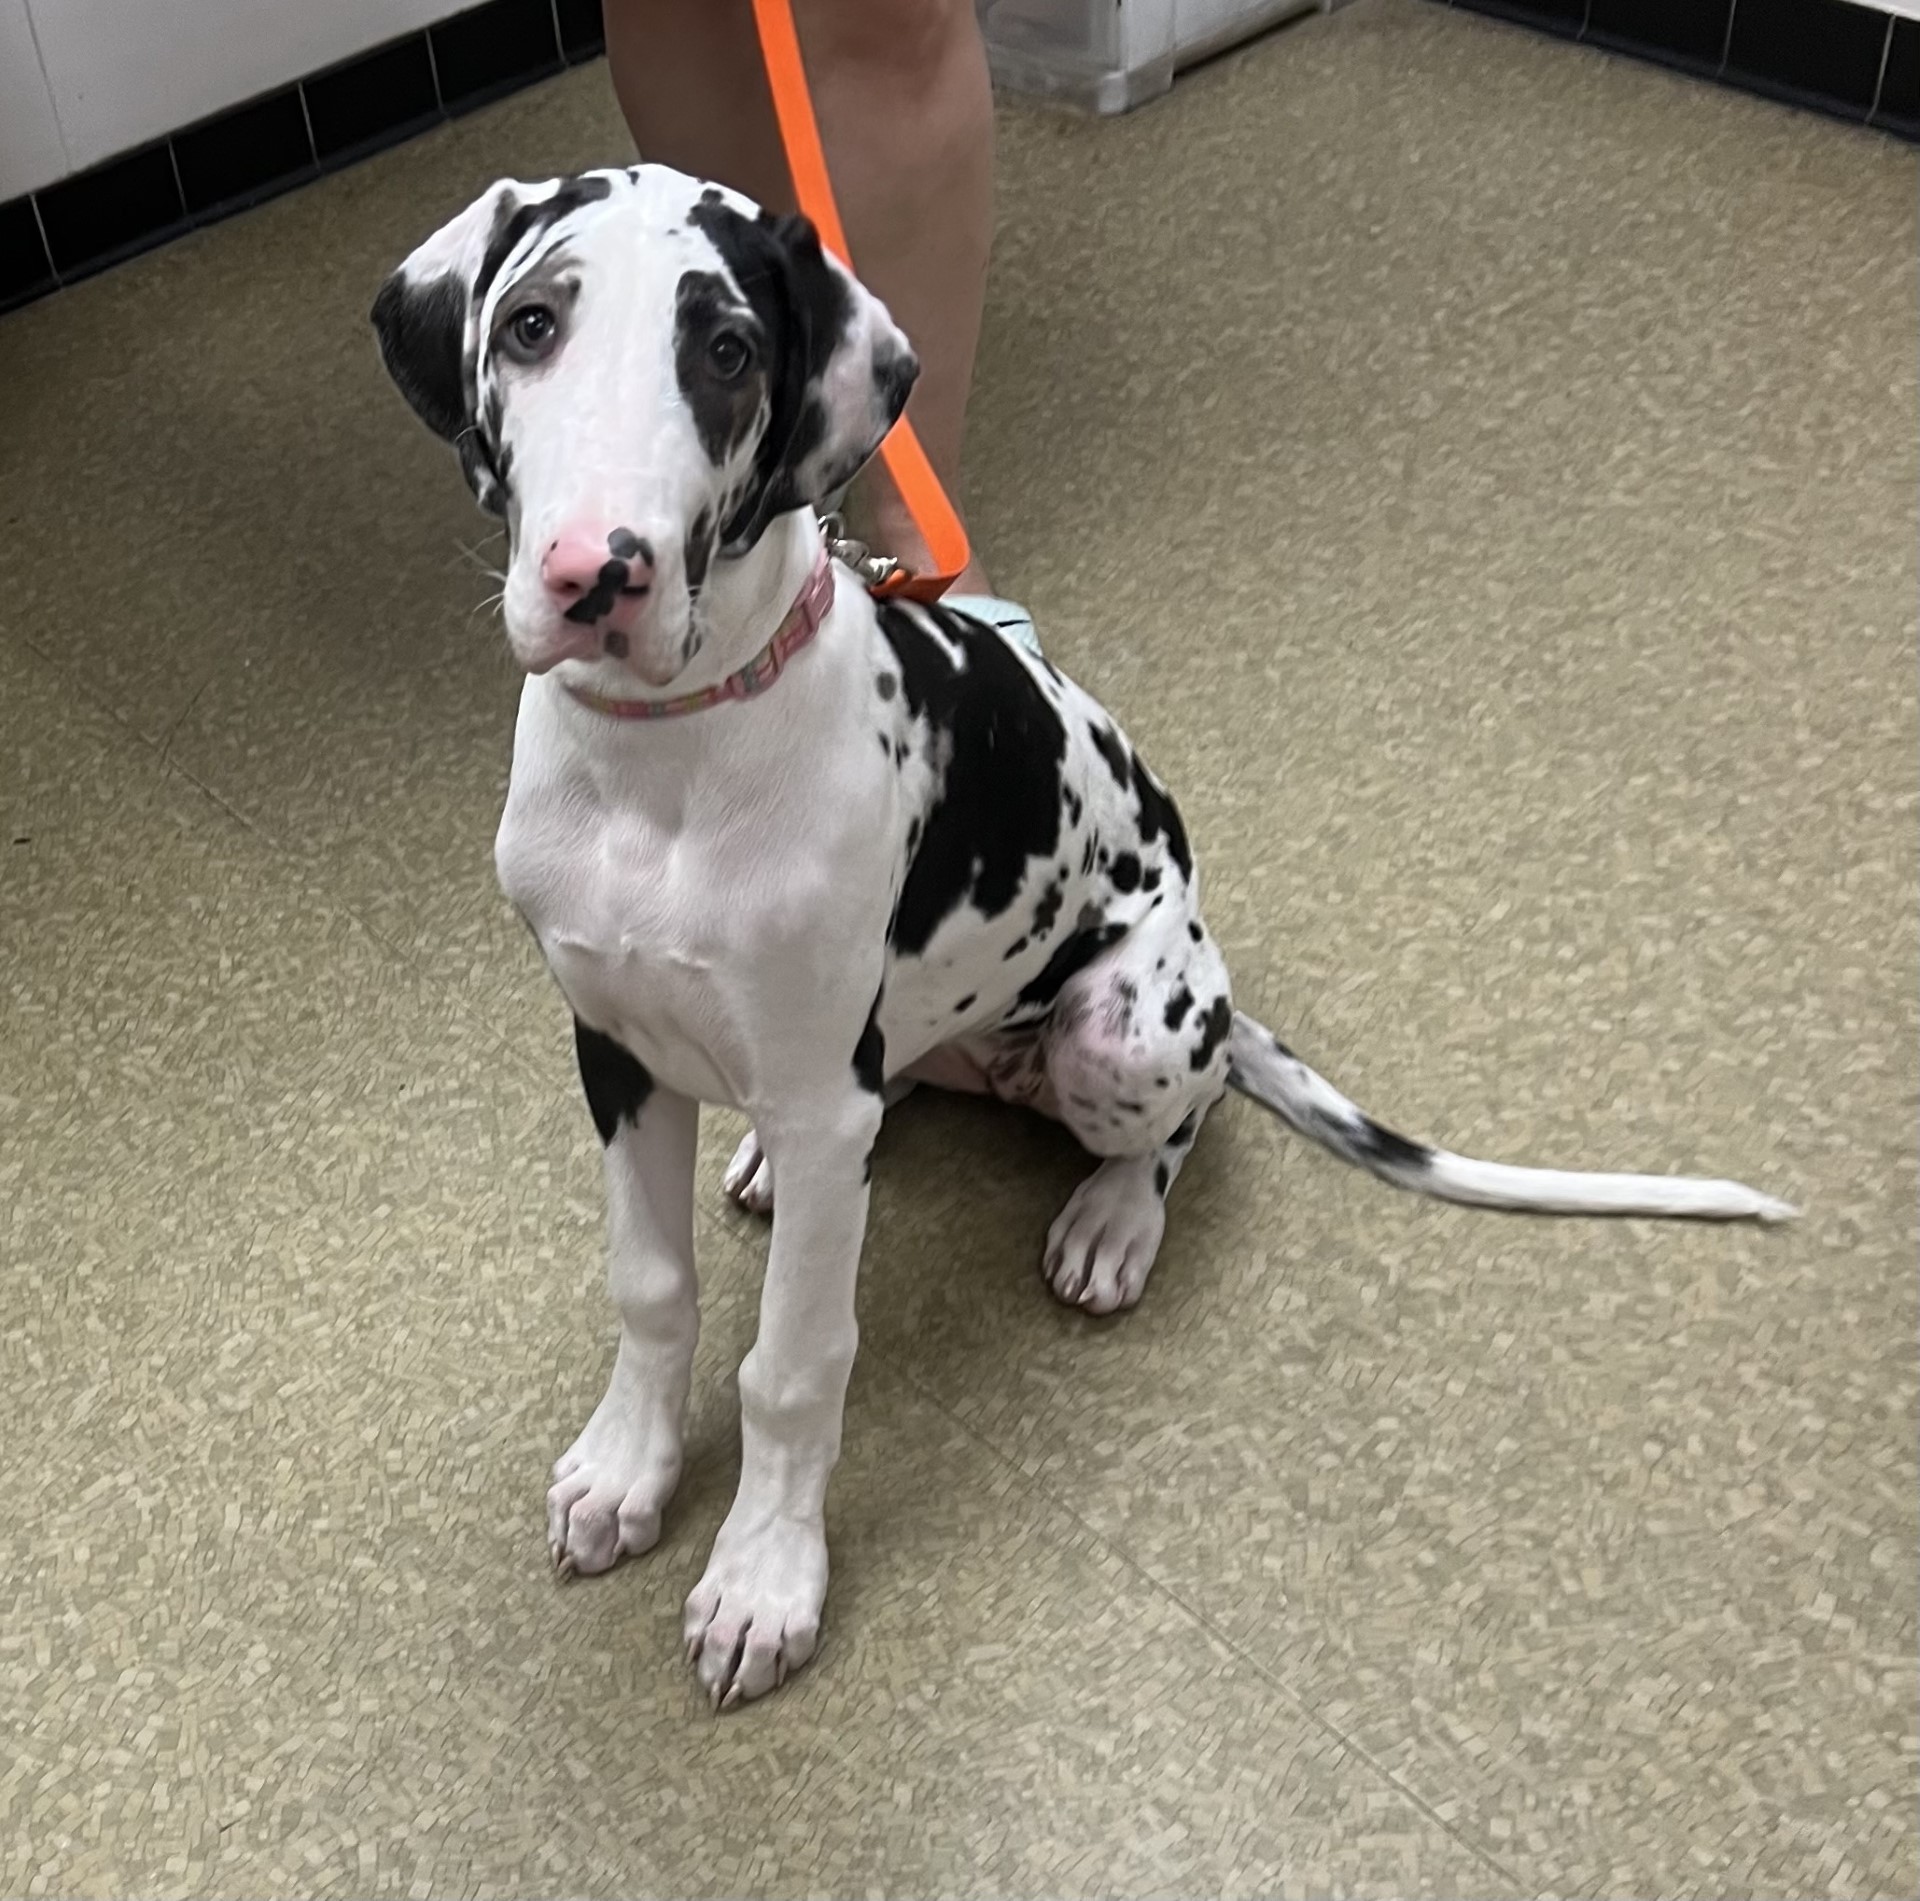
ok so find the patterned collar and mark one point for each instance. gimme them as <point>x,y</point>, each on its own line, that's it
<point>802,622</point>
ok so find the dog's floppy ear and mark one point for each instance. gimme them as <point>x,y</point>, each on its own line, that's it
<point>840,374</point>
<point>424,311</point>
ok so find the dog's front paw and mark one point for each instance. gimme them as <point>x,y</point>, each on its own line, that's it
<point>749,1178</point>
<point>610,1487</point>
<point>755,1616</point>
<point>1101,1246</point>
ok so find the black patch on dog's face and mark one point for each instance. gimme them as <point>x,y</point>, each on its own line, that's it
<point>1214,1025</point>
<point>421,328</point>
<point>803,311</point>
<point>1125,872</point>
<point>999,803</point>
<point>513,222</point>
<point>1047,909</point>
<point>870,1053</point>
<point>616,1083</point>
<point>698,552</point>
<point>725,409</point>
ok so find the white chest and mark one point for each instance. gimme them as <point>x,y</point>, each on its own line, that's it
<point>687,913</point>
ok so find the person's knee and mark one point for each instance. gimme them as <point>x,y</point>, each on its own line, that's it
<point>908,43</point>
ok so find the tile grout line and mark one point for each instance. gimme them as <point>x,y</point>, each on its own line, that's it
<point>1880,78</point>
<point>40,222</point>
<point>179,189</point>
<point>1258,1666</point>
<point>313,150</point>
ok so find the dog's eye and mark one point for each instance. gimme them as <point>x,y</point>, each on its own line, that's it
<point>729,353</point>
<point>532,331</point>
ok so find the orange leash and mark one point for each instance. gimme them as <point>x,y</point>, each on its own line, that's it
<point>906,462</point>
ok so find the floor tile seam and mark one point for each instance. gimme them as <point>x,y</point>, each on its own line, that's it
<point>1048,1496</point>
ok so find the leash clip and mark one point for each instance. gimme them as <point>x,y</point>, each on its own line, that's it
<point>874,570</point>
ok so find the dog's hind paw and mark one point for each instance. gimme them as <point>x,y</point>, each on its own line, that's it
<point>749,1177</point>
<point>1101,1247</point>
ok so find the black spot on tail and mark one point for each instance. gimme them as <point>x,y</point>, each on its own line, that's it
<point>1376,1144</point>
<point>616,1083</point>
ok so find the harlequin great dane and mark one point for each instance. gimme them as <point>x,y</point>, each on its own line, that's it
<point>792,850</point>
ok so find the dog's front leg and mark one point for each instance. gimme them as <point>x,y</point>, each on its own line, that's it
<point>756,1614</point>
<point>610,1487</point>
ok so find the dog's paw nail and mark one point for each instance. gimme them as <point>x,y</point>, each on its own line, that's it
<point>563,1565</point>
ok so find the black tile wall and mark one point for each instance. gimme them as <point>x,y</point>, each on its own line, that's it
<point>1825,53</point>
<point>25,270</point>
<point>108,213</point>
<point>1690,31</point>
<point>1899,105</point>
<point>267,145</point>
<point>494,49</point>
<point>582,31</point>
<point>1556,16</point>
<point>245,155</point>
<point>379,99</point>
<point>1824,50</point>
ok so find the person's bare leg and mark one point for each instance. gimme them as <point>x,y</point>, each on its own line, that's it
<point>905,109</point>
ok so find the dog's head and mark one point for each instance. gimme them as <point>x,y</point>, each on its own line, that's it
<point>639,372</point>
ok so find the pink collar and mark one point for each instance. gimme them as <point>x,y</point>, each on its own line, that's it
<point>802,622</point>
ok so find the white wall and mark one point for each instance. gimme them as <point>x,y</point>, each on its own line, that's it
<point>120,72</point>
<point>30,150</point>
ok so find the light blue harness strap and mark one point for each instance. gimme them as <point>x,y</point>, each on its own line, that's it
<point>1010,617</point>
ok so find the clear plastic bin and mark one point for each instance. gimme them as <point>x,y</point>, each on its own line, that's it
<point>1110,55</point>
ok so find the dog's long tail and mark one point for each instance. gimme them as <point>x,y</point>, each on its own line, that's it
<point>1261,1066</point>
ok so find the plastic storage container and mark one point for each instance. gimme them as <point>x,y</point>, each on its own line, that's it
<point>1110,55</point>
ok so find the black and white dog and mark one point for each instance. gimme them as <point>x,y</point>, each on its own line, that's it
<point>793,851</point>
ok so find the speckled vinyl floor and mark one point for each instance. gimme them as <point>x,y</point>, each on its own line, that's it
<point>1482,475</point>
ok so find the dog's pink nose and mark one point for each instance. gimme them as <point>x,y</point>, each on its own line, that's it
<point>589,571</point>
